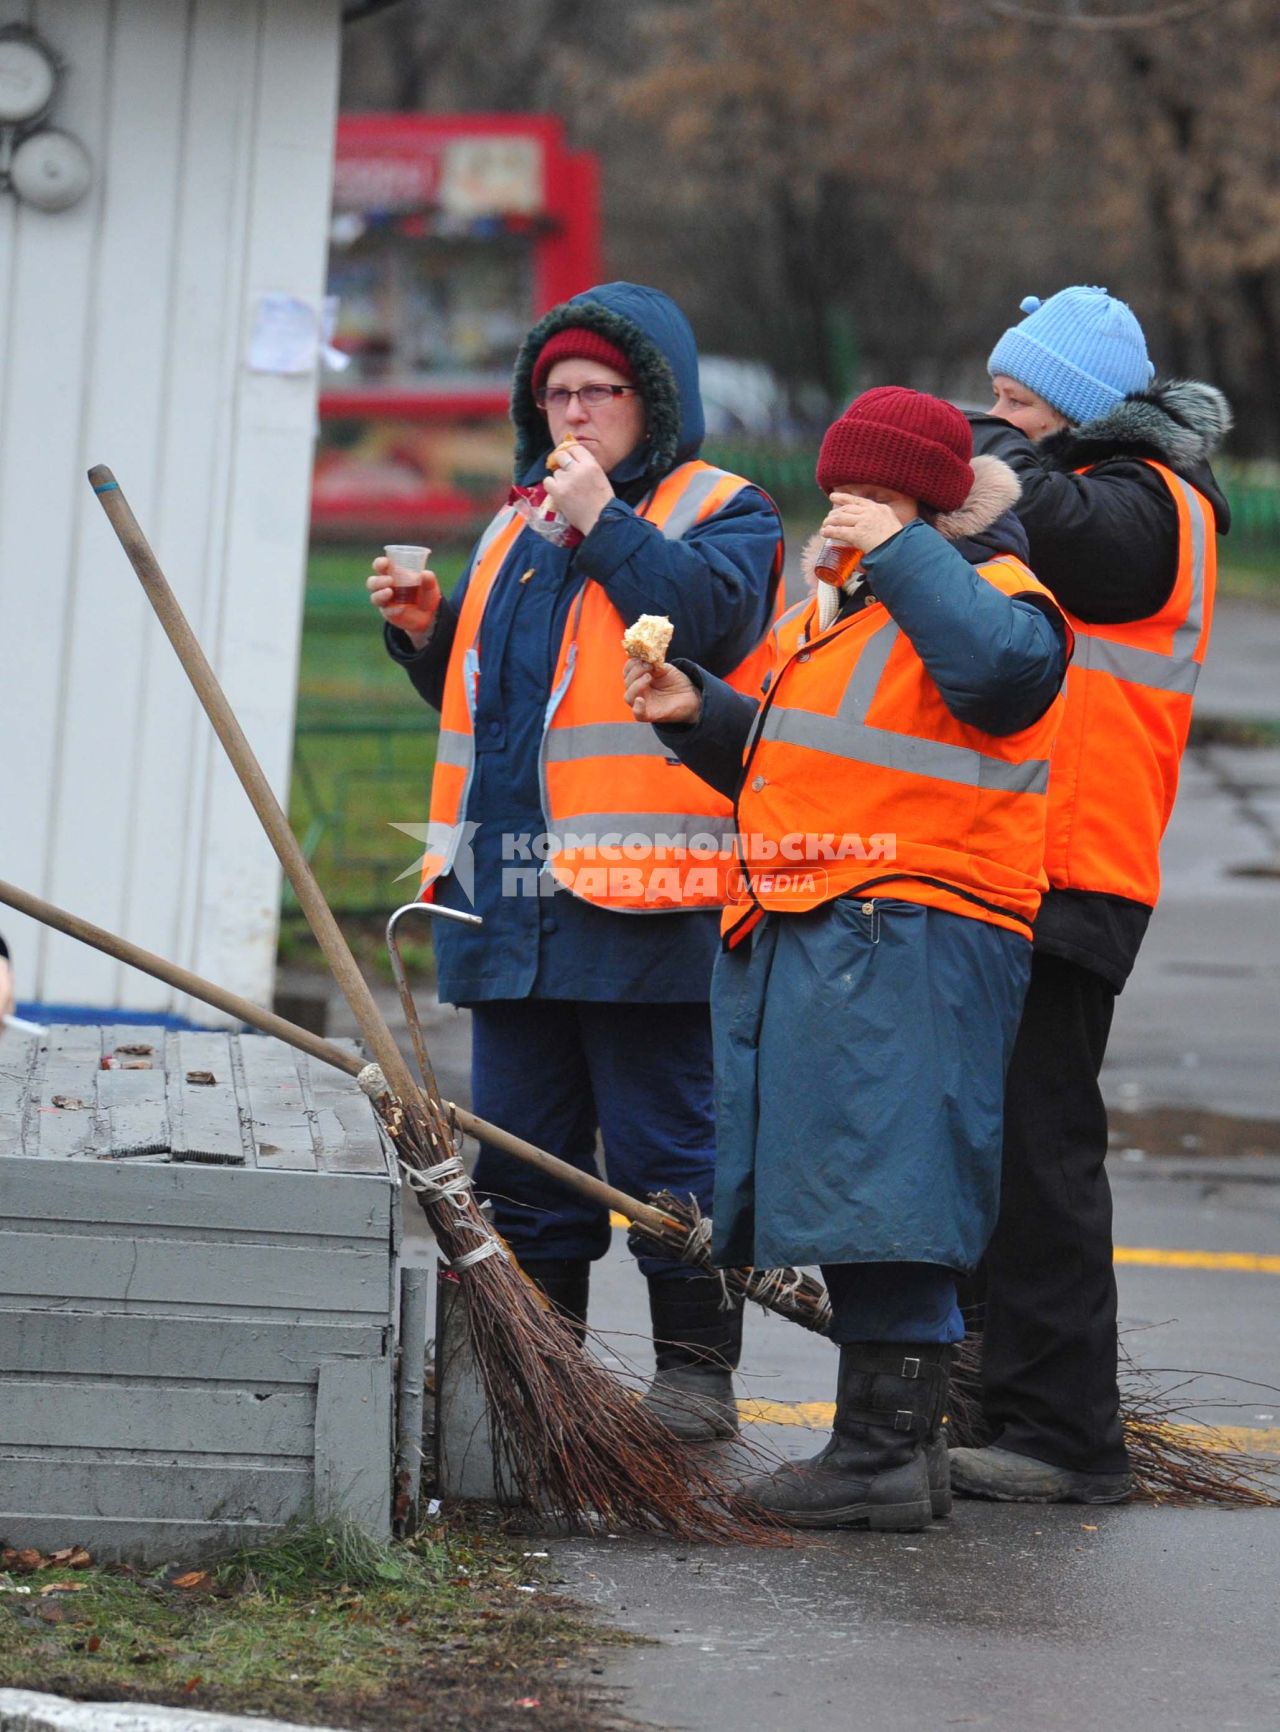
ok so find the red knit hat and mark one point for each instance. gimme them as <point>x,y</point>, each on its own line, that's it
<point>578,344</point>
<point>892,437</point>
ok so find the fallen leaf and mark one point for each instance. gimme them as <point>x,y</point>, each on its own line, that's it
<point>527,1702</point>
<point>68,1103</point>
<point>64,1587</point>
<point>201,1078</point>
<point>26,1562</point>
<point>1089,1527</point>
<point>93,1644</point>
<point>136,1064</point>
<point>193,1683</point>
<point>192,1579</point>
<point>140,1050</point>
<point>73,1557</point>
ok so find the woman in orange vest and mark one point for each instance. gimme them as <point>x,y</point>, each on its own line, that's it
<point>589,853</point>
<point>890,795</point>
<point>1121,509</point>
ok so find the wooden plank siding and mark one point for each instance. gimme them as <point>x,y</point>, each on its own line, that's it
<point>123,331</point>
<point>190,1353</point>
<point>283,1126</point>
<point>207,1123</point>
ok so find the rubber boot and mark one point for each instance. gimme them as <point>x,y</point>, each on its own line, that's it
<point>874,1472</point>
<point>1001,1476</point>
<point>697,1344</point>
<point>566,1281</point>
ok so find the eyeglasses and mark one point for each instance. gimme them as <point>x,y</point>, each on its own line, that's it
<point>590,396</point>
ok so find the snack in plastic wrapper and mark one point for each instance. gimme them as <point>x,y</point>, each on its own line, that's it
<point>541,515</point>
<point>649,639</point>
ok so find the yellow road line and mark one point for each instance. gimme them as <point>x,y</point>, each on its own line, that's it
<point>1237,1262</point>
<point>818,1415</point>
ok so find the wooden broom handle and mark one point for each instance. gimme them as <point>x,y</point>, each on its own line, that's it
<point>378,1036</point>
<point>244,1010</point>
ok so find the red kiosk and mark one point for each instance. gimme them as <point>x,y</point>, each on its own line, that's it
<point>451,235</point>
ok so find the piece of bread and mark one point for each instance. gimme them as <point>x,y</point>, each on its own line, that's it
<point>649,638</point>
<point>554,454</point>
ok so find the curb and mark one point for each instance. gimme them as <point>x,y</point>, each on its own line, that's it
<point>29,1711</point>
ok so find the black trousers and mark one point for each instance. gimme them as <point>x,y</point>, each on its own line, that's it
<point>1049,1348</point>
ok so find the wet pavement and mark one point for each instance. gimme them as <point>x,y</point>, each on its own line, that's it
<point>1027,1619</point>
<point>1011,1618</point>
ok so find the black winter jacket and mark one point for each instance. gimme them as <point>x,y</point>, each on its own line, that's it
<point>1106,544</point>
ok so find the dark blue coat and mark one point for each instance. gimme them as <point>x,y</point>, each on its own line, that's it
<point>861,1048</point>
<point>714,584</point>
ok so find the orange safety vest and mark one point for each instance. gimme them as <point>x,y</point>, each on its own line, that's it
<point>628,827</point>
<point>1129,692</point>
<point>857,775</point>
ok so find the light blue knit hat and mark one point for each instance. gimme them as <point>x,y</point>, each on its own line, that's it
<point>1081,350</point>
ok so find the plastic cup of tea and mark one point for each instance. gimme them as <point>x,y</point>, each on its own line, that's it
<point>411,560</point>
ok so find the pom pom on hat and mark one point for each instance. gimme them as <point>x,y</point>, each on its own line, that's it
<point>1082,350</point>
<point>906,440</point>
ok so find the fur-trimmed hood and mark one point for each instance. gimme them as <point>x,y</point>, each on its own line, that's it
<point>995,490</point>
<point>659,343</point>
<point>1178,422</point>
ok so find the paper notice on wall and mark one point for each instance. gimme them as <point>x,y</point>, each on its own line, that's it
<point>286,335</point>
<point>290,335</point>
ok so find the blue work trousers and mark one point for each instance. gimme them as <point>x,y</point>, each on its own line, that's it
<point>556,1071</point>
<point>893,1302</point>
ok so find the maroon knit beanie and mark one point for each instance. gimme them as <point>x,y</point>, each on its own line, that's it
<point>892,437</point>
<point>578,344</point>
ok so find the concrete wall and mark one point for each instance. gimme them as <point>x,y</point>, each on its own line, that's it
<point>124,326</point>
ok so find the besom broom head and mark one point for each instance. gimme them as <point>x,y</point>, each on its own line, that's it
<point>578,1445</point>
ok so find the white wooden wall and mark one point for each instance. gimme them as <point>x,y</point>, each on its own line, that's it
<point>123,331</point>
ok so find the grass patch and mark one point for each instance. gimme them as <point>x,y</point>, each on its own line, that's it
<point>365,743</point>
<point>321,1625</point>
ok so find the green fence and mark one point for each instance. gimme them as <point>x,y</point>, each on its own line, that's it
<point>364,745</point>
<point>365,742</point>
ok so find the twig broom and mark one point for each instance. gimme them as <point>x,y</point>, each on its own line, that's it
<point>579,1447</point>
<point>1172,1460</point>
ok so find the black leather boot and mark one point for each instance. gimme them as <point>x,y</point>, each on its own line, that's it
<point>697,1345</point>
<point>566,1281</point>
<point>874,1472</point>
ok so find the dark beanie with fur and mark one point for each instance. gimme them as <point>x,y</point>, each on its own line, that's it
<point>906,440</point>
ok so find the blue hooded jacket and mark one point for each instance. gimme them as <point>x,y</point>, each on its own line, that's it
<point>715,585</point>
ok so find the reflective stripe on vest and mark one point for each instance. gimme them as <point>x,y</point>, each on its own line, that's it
<point>903,795</point>
<point>669,842</point>
<point>1128,715</point>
